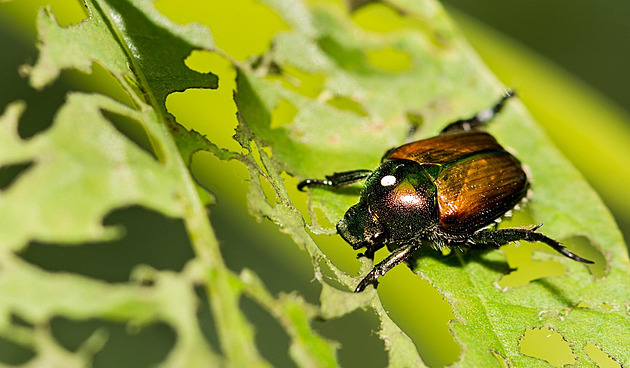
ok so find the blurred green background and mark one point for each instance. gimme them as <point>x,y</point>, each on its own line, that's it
<point>587,39</point>
<point>568,62</point>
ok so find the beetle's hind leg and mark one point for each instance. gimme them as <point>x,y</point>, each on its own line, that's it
<point>336,180</point>
<point>481,118</point>
<point>495,238</point>
<point>392,260</point>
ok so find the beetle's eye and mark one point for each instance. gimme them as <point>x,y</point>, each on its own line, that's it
<point>388,180</point>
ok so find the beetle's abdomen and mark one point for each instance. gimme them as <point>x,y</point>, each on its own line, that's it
<point>474,191</point>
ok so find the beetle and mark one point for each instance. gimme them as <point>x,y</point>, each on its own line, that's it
<point>449,190</point>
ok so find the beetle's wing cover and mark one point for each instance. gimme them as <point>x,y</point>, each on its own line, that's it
<point>445,148</point>
<point>476,190</point>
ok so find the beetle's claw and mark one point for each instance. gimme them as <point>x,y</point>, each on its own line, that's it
<point>567,253</point>
<point>370,279</point>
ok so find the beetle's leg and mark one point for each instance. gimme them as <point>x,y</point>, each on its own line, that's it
<point>481,118</point>
<point>337,179</point>
<point>496,238</point>
<point>370,249</point>
<point>393,259</point>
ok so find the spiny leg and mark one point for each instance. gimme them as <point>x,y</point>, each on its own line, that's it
<point>496,238</point>
<point>481,118</point>
<point>393,259</point>
<point>336,180</point>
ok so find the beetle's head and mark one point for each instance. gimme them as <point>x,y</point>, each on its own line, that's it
<point>398,202</point>
<point>360,228</point>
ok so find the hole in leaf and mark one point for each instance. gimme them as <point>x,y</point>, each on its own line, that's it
<point>340,254</point>
<point>124,347</point>
<point>9,173</point>
<point>415,121</point>
<point>547,344</point>
<point>300,199</point>
<point>206,321</point>
<point>227,20</point>
<point>42,105</point>
<point>359,342</point>
<point>14,354</point>
<point>132,129</point>
<point>271,338</point>
<point>347,104</point>
<point>150,239</point>
<point>381,18</point>
<point>283,114</point>
<point>600,357</point>
<point>345,56</point>
<point>71,334</point>
<point>19,321</point>
<point>100,80</point>
<point>322,220</point>
<point>585,248</point>
<point>306,84</point>
<point>528,269</point>
<point>69,14</point>
<point>204,61</point>
<point>524,261</point>
<point>230,178</point>
<point>211,112</point>
<point>41,109</point>
<point>329,276</point>
<point>424,315</point>
<point>389,59</point>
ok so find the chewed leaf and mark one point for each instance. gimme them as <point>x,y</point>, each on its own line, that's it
<point>37,296</point>
<point>75,170</point>
<point>336,85</point>
<point>142,62</point>
<point>70,176</point>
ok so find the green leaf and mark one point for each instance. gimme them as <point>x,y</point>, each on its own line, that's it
<point>90,169</point>
<point>116,171</point>
<point>333,88</point>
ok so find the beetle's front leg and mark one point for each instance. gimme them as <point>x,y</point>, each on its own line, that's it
<point>336,180</point>
<point>370,249</point>
<point>495,238</point>
<point>393,259</point>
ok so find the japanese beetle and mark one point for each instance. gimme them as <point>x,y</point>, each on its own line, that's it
<point>448,190</point>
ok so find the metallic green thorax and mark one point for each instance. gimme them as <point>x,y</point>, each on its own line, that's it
<point>398,202</point>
